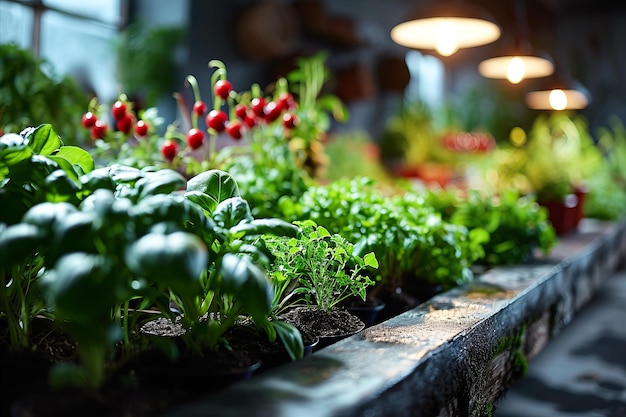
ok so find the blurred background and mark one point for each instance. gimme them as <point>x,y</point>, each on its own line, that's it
<point>147,47</point>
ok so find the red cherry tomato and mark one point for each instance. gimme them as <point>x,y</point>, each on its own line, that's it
<point>89,119</point>
<point>258,106</point>
<point>199,108</point>
<point>118,109</point>
<point>141,128</point>
<point>286,101</point>
<point>289,120</point>
<point>169,149</point>
<point>216,120</point>
<point>272,110</point>
<point>99,129</point>
<point>241,111</point>
<point>124,124</point>
<point>223,88</point>
<point>195,138</point>
<point>233,128</point>
<point>250,121</point>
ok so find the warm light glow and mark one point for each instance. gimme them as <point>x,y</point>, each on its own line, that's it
<point>515,70</point>
<point>446,38</point>
<point>445,35</point>
<point>510,67</point>
<point>558,99</point>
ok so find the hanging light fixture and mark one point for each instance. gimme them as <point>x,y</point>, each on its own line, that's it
<point>446,26</point>
<point>520,61</point>
<point>563,94</point>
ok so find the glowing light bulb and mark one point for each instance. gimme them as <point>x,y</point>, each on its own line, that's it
<point>558,99</point>
<point>446,39</point>
<point>516,70</point>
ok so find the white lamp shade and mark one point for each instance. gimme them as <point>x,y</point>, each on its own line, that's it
<point>434,33</point>
<point>446,26</point>
<point>516,68</point>
<point>557,99</point>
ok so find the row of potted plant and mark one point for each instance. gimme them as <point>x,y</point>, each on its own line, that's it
<point>209,240</point>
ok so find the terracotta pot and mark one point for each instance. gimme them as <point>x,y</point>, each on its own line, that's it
<point>564,214</point>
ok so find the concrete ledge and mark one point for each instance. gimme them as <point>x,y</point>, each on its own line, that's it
<point>454,355</point>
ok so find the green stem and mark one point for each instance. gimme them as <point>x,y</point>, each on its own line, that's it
<point>193,82</point>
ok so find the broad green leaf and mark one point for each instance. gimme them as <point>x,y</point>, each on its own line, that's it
<point>276,227</point>
<point>66,166</point>
<point>77,156</point>
<point>291,338</point>
<point>216,183</point>
<point>248,284</point>
<point>163,181</point>
<point>59,186</point>
<point>98,178</point>
<point>13,149</point>
<point>81,287</point>
<point>175,261</point>
<point>370,260</point>
<point>45,215</point>
<point>231,212</point>
<point>44,140</point>
<point>17,243</point>
<point>207,202</point>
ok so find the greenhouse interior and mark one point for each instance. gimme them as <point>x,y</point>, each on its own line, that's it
<point>312,208</point>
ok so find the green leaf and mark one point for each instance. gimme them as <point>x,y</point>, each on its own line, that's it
<point>207,202</point>
<point>13,149</point>
<point>59,186</point>
<point>17,243</point>
<point>163,181</point>
<point>45,215</point>
<point>370,260</point>
<point>44,140</point>
<point>81,287</point>
<point>216,183</point>
<point>175,261</point>
<point>231,212</point>
<point>276,227</point>
<point>291,338</point>
<point>77,156</point>
<point>248,284</point>
<point>98,178</point>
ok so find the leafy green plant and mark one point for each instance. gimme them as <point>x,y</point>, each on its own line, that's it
<point>31,93</point>
<point>406,235</point>
<point>35,167</point>
<point>606,198</point>
<point>139,240</point>
<point>318,268</point>
<point>510,226</point>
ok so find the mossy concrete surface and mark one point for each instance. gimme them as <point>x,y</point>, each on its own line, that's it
<point>454,355</point>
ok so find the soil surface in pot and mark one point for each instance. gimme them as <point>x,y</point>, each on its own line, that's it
<point>315,322</point>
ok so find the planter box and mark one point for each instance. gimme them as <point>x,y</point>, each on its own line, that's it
<point>453,355</point>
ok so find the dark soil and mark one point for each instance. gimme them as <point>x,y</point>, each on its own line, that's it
<point>315,322</point>
<point>151,384</point>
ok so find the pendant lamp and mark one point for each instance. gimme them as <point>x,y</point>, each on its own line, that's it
<point>519,61</point>
<point>446,26</point>
<point>560,93</point>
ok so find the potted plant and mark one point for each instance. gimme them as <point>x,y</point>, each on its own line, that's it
<point>410,240</point>
<point>509,226</point>
<point>314,274</point>
<point>556,140</point>
<point>139,239</point>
